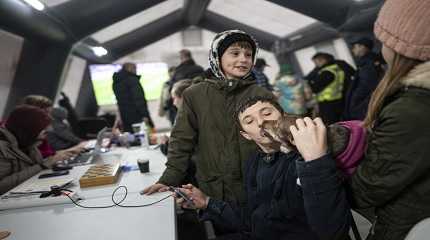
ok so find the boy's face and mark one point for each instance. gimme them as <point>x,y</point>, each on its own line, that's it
<point>236,61</point>
<point>252,120</point>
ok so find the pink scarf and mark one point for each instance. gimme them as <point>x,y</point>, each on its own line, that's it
<point>349,159</point>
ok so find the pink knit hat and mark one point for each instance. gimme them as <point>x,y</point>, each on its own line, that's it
<point>404,26</point>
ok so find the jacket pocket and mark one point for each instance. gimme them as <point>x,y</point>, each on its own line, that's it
<point>211,186</point>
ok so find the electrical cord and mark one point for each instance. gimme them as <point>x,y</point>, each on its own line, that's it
<point>115,203</point>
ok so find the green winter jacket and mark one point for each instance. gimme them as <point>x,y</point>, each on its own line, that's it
<point>206,120</point>
<point>394,176</point>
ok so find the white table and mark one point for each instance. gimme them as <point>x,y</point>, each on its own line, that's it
<point>66,221</point>
<point>133,180</point>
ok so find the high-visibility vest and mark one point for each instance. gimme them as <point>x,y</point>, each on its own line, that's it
<point>334,90</point>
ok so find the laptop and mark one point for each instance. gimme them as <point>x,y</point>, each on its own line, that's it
<point>100,146</point>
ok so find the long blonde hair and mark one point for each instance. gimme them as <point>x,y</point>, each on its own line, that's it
<point>389,85</point>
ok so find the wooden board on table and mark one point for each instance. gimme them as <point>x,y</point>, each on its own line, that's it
<point>102,174</point>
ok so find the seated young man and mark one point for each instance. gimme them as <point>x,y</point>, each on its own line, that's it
<point>288,197</point>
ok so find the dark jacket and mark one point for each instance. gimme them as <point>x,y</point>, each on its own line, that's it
<point>350,73</point>
<point>130,99</point>
<point>394,175</point>
<point>206,120</point>
<point>360,90</point>
<point>261,79</point>
<point>60,135</point>
<point>186,70</point>
<point>287,198</point>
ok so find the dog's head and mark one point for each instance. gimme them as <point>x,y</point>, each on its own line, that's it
<point>279,130</point>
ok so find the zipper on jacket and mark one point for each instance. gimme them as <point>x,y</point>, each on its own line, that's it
<point>372,228</point>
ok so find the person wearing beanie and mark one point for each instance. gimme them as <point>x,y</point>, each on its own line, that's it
<point>393,177</point>
<point>45,104</point>
<point>47,151</point>
<point>19,157</point>
<point>204,125</point>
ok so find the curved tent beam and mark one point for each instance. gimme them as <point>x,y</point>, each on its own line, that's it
<point>194,10</point>
<point>362,17</point>
<point>332,12</point>
<point>85,17</point>
<point>308,36</point>
<point>145,35</point>
<point>218,23</point>
<point>21,19</point>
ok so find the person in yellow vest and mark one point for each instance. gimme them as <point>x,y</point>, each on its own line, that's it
<point>327,84</point>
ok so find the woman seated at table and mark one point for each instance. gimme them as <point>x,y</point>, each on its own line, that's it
<point>19,157</point>
<point>60,136</point>
<point>44,147</point>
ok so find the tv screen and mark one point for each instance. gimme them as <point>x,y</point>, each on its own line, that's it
<point>153,75</point>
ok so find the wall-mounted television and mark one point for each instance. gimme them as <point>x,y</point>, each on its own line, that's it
<point>153,75</point>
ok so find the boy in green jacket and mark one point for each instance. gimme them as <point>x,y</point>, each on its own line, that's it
<point>205,126</point>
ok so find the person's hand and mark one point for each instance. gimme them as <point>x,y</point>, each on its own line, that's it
<point>116,132</point>
<point>158,187</point>
<point>75,150</point>
<point>62,155</point>
<point>310,137</point>
<point>82,144</point>
<point>200,200</point>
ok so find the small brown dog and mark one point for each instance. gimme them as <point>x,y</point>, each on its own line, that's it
<point>279,131</point>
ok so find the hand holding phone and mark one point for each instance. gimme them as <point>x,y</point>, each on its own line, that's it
<point>180,194</point>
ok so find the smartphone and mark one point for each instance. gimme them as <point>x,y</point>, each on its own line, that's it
<point>54,174</point>
<point>180,194</point>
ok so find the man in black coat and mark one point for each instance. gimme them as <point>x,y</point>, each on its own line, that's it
<point>130,97</point>
<point>365,81</point>
<point>187,69</point>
